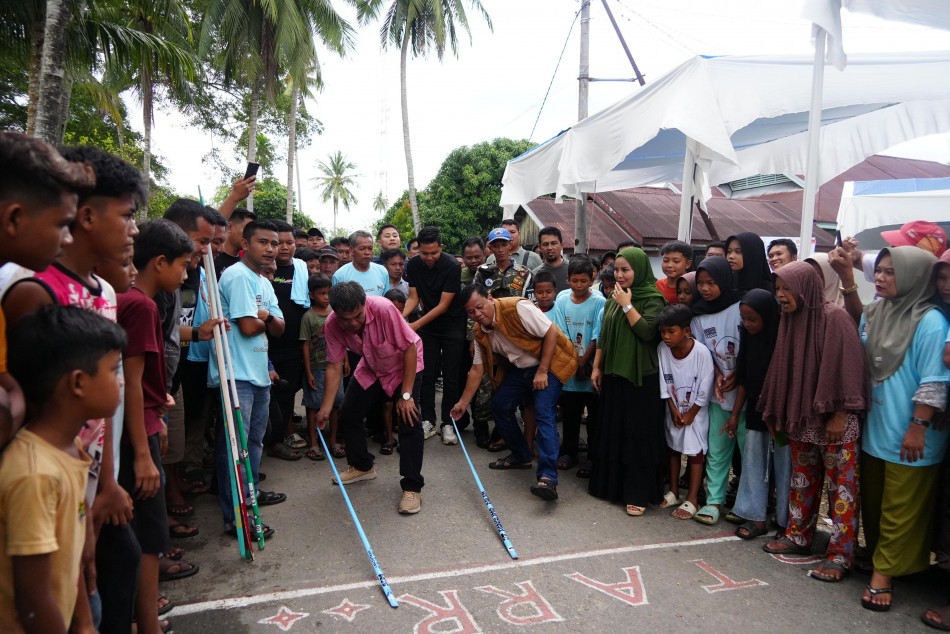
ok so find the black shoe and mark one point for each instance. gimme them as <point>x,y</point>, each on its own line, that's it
<point>268,498</point>
<point>268,532</point>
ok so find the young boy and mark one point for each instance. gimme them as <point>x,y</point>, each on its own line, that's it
<point>395,262</point>
<point>607,281</point>
<point>545,290</point>
<point>578,314</point>
<point>67,379</point>
<point>397,297</point>
<point>315,363</point>
<point>677,258</point>
<point>310,257</point>
<point>687,373</point>
<point>162,253</point>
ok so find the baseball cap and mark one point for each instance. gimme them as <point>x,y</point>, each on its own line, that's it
<point>499,234</point>
<point>919,233</point>
<point>328,252</point>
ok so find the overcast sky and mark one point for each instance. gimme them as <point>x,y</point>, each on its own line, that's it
<point>496,85</point>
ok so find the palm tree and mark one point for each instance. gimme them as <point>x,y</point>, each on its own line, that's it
<point>380,204</point>
<point>422,25</point>
<point>336,182</point>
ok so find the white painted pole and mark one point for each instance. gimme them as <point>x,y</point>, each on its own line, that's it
<point>814,146</point>
<point>685,232</point>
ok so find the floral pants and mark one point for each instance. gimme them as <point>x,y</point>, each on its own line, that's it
<point>811,464</point>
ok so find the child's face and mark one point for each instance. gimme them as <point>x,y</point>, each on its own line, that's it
<point>101,392</point>
<point>171,275</point>
<point>674,264</point>
<point>580,283</point>
<point>751,320</point>
<point>400,305</point>
<point>544,294</point>
<point>734,255</point>
<point>120,275</point>
<point>313,266</point>
<point>786,298</point>
<point>608,287</point>
<point>706,286</point>
<point>320,298</point>
<point>684,294</point>
<point>269,270</point>
<point>673,336</point>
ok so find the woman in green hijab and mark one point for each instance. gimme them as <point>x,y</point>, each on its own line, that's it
<point>630,445</point>
<point>904,335</point>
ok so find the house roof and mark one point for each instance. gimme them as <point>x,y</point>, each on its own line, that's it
<point>602,231</point>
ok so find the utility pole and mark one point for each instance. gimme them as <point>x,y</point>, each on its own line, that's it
<point>583,79</point>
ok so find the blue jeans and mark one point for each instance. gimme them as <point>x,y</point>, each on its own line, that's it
<point>517,385</point>
<point>255,402</point>
<point>753,497</point>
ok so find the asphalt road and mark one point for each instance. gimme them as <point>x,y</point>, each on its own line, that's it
<point>584,565</point>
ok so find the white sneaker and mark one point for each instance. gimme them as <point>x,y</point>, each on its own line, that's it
<point>428,430</point>
<point>448,435</point>
<point>352,475</point>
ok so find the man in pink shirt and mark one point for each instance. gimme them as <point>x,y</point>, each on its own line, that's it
<point>390,363</point>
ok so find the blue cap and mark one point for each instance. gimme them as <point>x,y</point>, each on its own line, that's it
<point>499,233</point>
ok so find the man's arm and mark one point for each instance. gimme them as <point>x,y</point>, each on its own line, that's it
<point>147,477</point>
<point>444,301</point>
<point>240,190</point>
<point>35,605</point>
<point>471,386</point>
<point>22,299</point>
<point>411,303</point>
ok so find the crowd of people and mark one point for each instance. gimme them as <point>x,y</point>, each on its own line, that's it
<point>737,387</point>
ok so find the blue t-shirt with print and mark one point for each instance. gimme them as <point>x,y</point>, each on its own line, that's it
<point>243,293</point>
<point>581,324</point>
<point>374,281</point>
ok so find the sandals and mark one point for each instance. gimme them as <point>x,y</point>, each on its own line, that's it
<point>635,511</point>
<point>315,454</point>
<point>830,565</point>
<point>177,530</point>
<point>180,510</point>
<point>166,607</point>
<point>788,547</point>
<point>504,464</point>
<point>387,448</point>
<point>732,518</point>
<point>545,489</point>
<point>708,515</point>
<point>193,487</point>
<point>338,451</point>
<point>566,462</point>
<point>496,446</point>
<point>584,470</point>
<point>283,452</point>
<point>943,613</point>
<point>185,569</point>
<point>669,500</point>
<point>295,441</point>
<point>869,604</point>
<point>174,554</point>
<point>685,507</point>
<point>749,531</point>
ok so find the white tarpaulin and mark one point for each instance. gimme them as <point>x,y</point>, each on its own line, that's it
<point>872,204</point>
<point>746,116</point>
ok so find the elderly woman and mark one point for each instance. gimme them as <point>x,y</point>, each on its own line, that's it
<point>904,335</point>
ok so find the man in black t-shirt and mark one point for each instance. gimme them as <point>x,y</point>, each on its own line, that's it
<point>231,251</point>
<point>435,279</point>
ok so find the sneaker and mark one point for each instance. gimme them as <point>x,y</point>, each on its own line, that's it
<point>352,475</point>
<point>428,430</point>
<point>448,435</point>
<point>410,503</point>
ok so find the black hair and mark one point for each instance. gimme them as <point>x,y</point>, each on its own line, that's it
<point>283,226</point>
<point>160,237</point>
<point>674,315</point>
<point>716,244</point>
<point>241,214</point>
<point>356,235</point>
<point>305,254</point>
<point>511,222</point>
<point>607,273</point>
<point>410,241</point>
<point>389,254</point>
<point>313,232</point>
<point>185,212</point>
<point>346,297</point>
<point>580,264</point>
<point>33,169</point>
<point>388,225</point>
<point>472,289</point>
<point>395,295</point>
<point>114,177</point>
<point>215,217</point>
<point>337,241</point>
<point>628,243</point>
<point>474,241</point>
<point>318,280</point>
<point>545,276</point>
<point>429,235</point>
<point>300,233</point>
<point>550,231</point>
<point>677,246</point>
<point>55,340</point>
<point>501,291</point>
<point>785,242</point>
<point>254,225</point>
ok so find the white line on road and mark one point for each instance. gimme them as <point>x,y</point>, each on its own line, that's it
<point>285,595</point>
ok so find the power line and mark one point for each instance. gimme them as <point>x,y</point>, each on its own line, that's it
<point>564,48</point>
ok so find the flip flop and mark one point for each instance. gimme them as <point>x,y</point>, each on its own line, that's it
<point>829,565</point>
<point>165,608</point>
<point>180,510</point>
<point>504,464</point>
<point>635,511</point>
<point>185,569</point>
<point>174,554</point>
<point>338,451</point>
<point>315,454</point>
<point>179,530</point>
<point>708,515</point>
<point>387,448</point>
<point>496,446</point>
<point>944,622</point>
<point>584,470</point>
<point>686,506</point>
<point>545,489</point>
<point>868,604</point>
<point>751,531</point>
<point>193,487</point>
<point>790,547</point>
<point>566,462</point>
<point>668,500</point>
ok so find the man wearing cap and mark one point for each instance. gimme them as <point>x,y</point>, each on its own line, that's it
<point>511,279</point>
<point>329,260</point>
<point>518,253</point>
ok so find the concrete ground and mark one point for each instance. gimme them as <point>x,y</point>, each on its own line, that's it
<point>584,565</point>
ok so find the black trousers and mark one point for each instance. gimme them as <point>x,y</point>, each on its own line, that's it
<point>357,402</point>
<point>442,351</point>
<point>117,567</point>
<point>289,367</point>
<point>572,409</point>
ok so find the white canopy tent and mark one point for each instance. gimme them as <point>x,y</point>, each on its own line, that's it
<point>872,204</point>
<point>713,120</point>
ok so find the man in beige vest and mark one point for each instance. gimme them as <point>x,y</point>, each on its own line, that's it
<point>526,357</point>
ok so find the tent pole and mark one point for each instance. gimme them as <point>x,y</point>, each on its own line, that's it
<point>685,232</point>
<point>583,80</point>
<point>814,143</point>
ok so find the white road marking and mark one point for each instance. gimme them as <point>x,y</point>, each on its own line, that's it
<point>287,595</point>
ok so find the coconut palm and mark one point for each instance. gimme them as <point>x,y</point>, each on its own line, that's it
<point>423,25</point>
<point>380,204</point>
<point>336,182</point>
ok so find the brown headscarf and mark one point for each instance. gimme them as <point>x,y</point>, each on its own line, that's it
<point>832,290</point>
<point>689,278</point>
<point>818,366</point>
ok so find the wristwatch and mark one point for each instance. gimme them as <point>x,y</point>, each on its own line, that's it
<point>268,319</point>
<point>406,396</point>
<point>626,309</point>
<point>920,421</point>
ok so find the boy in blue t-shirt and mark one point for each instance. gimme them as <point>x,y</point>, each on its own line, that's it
<point>579,315</point>
<point>248,302</point>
